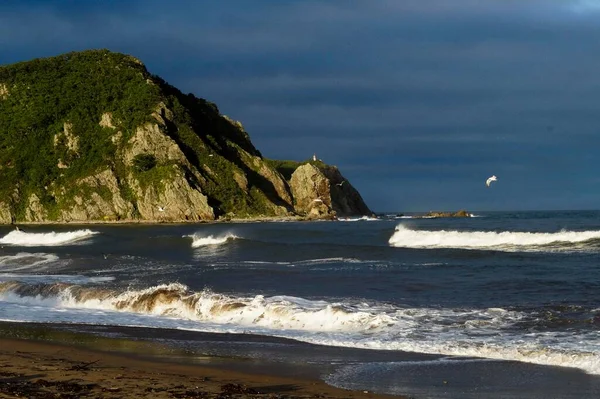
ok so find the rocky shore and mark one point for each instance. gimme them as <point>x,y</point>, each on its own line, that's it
<point>460,214</point>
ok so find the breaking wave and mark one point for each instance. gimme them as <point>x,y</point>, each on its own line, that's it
<point>201,241</point>
<point>175,300</point>
<point>485,333</point>
<point>358,219</point>
<point>405,237</point>
<point>21,238</point>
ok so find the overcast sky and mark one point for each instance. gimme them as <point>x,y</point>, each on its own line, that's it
<point>416,101</point>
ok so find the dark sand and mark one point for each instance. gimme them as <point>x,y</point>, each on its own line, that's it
<point>44,369</point>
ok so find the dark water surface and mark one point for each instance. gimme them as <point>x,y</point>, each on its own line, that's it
<point>498,305</point>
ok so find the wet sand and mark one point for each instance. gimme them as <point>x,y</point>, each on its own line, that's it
<point>41,369</point>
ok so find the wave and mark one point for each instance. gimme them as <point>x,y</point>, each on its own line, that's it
<point>201,241</point>
<point>175,300</point>
<point>405,237</point>
<point>485,333</point>
<point>309,262</point>
<point>23,239</point>
<point>25,261</point>
<point>358,219</point>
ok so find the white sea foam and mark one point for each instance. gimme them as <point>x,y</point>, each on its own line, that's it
<point>507,240</point>
<point>201,241</point>
<point>21,238</point>
<point>485,333</point>
<point>25,261</point>
<point>358,219</point>
<point>308,262</point>
<point>175,300</point>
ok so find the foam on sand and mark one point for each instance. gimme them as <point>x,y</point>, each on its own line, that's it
<point>21,238</point>
<point>405,237</point>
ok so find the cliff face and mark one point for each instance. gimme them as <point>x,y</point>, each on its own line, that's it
<point>320,191</point>
<point>92,136</point>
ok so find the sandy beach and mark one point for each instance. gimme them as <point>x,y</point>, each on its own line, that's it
<point>31,368</point>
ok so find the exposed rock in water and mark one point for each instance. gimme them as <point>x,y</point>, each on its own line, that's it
<point>459,214</point>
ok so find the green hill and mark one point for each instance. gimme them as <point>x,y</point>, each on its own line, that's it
<point>91,136</point>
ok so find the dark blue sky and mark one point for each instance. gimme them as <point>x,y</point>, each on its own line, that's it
<point>416,101</point>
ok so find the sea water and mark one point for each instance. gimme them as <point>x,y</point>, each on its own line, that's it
<point>496,291</point>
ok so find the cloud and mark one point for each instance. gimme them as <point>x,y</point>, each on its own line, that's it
<point>420,91</point>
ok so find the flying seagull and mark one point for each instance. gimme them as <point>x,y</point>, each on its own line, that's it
<point>340,184</point>
<point>490,180</point>
<point>161,208</point>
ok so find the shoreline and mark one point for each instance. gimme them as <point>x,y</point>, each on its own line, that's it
<point>44,367</point>
<point>169,222</point>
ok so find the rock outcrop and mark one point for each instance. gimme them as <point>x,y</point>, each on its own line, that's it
<point>345,199</point>
<point>459,214</point>
<point>3,91</point>
<point>322,192</point>
<point>96,197</point>
<point>5,214</point>
<point>174,199</point>
<point>312,192</point>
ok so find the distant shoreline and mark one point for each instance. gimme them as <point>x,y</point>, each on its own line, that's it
<point>167,222</point>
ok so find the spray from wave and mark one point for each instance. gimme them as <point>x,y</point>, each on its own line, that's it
<point>201,241</point>
<point>404,237</point>
<point>21,238</point>
<point>176,300</point>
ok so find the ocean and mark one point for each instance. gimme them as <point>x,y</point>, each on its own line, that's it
<point>498,305</point>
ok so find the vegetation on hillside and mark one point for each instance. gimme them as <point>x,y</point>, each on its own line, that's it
<point>75,88</point>
<point>287,167</point>
<point>45,103</point>
<point>214,144</point>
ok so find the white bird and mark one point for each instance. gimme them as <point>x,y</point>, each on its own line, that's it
<point>161,208</point>
<point>317,200</point>
<point>340,184</point>
<point>490,180</point>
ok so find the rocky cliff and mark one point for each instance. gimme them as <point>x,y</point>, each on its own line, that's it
<point>320,191</point>
<point>93,136</point>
